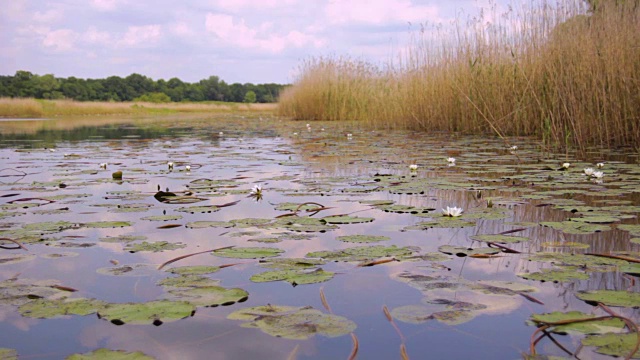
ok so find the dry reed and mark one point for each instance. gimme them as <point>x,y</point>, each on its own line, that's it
<point>557,71</point>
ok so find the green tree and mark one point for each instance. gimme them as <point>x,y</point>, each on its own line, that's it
<point>249,97</point>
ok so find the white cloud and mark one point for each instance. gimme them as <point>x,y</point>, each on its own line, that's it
<point>141,35</point>
<point>93,36</point>
<point>60,40</point>
<point>106,5</point>
<point>237,33</point>
<point>48,16</point>
<point>379,12</point>
<point>235,5</point>
<point>181,29</point>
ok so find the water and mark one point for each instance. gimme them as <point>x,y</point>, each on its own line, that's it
<point>51,172</point>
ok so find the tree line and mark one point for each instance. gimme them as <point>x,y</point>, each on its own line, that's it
<point>134,87</point>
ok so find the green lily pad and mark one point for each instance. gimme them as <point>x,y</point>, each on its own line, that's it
<point>304,224</point>
<point>21,291</point>
<point>618,345</point>
<point>631,269</point>
<point>128,270</point>
<point>153,312</point>
<point>156,246</point>
<point>294,277</point>
<point>106,354</point>
<point>8,354</point>
<point>591,327</point>
<point>500,239</point>
<point>445,311</point>
<point>566,273</point>
<point>107,224</point>
<point>49,308</point>
<point>291,263</point>
<point>344,219</point>
<point>463,251</point>
<point>209,296</point>
<point>123,238</point>
<point>575,227</point>
<point>610,297</point>
<point>362,238</point>
<point>441,222</point>
<point>298,323</point>
<point>188,281</point>
<point>587,262</point>
<point>362,253</point>
<point>194,270</point>
<point>204,209</point>
<point>206,224</point>
<point>162,218</point>
<point>248,252</point>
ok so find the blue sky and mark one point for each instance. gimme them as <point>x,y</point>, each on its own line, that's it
<point>237,40</point>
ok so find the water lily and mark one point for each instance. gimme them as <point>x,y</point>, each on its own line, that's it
<point>170,165</point>
<point>256,190</point>
<point>413,167</point>
<point>566,165</point>
<point>220,133</point>
<point>188,167</point>
<point>597,174</point>
<point>349,135</point>
<point>588,171</point>
<point>103,165</point>
<point>452,211</point>
<point>600,165</point>
<point>514,148</point>
<point>451,160</point>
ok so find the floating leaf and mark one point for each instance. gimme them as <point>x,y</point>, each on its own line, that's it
<point>574,227</point>
<point>610,297</point>
<point>199,209</point>
<point>362,253</point>
<point>248,252</point>
<point>206,224</point>
<point>362,238</point>
<point>442,222</point>
<point>345,219</point>
<point>128,270</point>
<point>107,224</point>
<point>294,277</point>
<point>463,251</point>
<point>209,296</point>
<point>153,312</point>
<point>500,239</point>
<point>106,354</point>
<point>153,246</point>
<point>567,273</point>
<point>291,263</point>
<point>123,238</point>
<point>17,258</point>
<point>591,327</point>
<point>194,270</point>
<point>48,308</point>
<point>618,345</point>
<point>162,218</point>
<point>298,323</point>
<point>8,354</point>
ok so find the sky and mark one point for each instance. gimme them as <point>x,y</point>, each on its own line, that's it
<point>261,41</point>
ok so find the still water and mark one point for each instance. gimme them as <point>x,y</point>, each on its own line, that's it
<point>377,272</point>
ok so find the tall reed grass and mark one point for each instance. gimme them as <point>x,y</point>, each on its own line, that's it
<point>562,72</point>
<point>31,108</point>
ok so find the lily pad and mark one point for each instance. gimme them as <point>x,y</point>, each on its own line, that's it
<point>362,253</point>
<point>123,238</point>
<point>49,308</point>
<point>209,296</point>
<point>194,270</point>
<point>199,209</point>
<point>17,258</point>
<point>128,270</point>
<point>106,354</point>
<point>461,251</point>
<point>441,222</point>
<point>362,238</point>
<point>618,345</point>
<point>291,263</point>
<point>162,218</point>
<point>8,354</point>
<point>206,224</point>
<point>345,219</point>
<point>153,312</point>
<point>248,252</point>
<point>107,224</point>
<point>298,323</point>
<point>591,327</point>
<point>294,277</point>
<point>564,274</point>
<point>156,246</point>
<point>500,239</point>
<point>610,297</point>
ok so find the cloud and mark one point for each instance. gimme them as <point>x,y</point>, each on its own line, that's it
<point>60,40</point>
<point>235,5</point>
<point>93,36</point>
<point>48,16</point>
<point>238,34</point>
<point>106,5</point>
<point>141,35</point>
<point>379,12</point>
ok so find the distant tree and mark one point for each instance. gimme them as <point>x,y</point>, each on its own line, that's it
<point>249,97</point>
<point>155,97</point>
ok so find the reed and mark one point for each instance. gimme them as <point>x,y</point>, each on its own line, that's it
<point>31,108</point>
<point>561,72</point>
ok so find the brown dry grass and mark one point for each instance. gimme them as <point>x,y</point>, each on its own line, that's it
<point>548,71</point>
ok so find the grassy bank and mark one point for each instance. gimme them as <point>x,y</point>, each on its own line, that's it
<point>31,108</point>
<point>562,72</point>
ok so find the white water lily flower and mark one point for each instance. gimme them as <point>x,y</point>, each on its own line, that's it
<point>220,133</point>
<point>103,165</point>
<point>452,211</point>
<point>597,174</point>
<point>600,165</point>
<point>514,148</point>
<point>349,135</point>
<point>451,160</point>
<point>566,165</point>
<point>170,165</point>
<point>188,167</point>
<point>413,167</point>
<point>256,190</point>
<point>588,171</point>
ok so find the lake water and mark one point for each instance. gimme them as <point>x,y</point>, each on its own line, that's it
<point>375,262</point>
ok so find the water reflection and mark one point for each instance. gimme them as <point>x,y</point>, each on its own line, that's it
<point>311,166</point>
